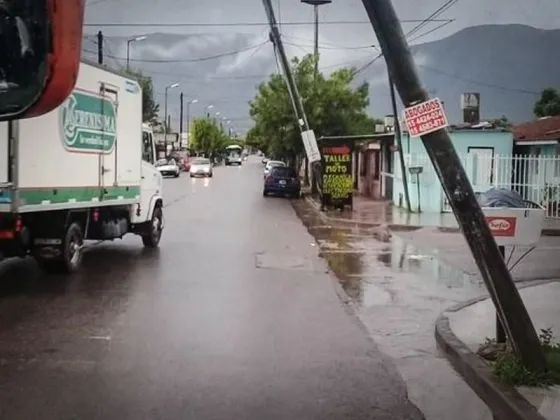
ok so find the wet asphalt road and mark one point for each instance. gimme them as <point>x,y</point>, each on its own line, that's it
<point>234,317</point>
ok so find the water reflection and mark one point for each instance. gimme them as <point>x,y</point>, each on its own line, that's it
<point>386,272</point>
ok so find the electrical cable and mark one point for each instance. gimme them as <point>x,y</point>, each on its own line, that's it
<point>237,24</point>
<point>192,60</point>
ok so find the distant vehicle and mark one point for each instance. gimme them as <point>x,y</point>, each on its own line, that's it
<point>234,155</point>
<point>271,164</point>
<point>282,181</point>
<point>201,167</point>
<point>187,164</point>
<point>168,167</point>
<point>265,160</point>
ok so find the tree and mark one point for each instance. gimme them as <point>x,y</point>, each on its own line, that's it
<point>332,105</point>
<point>502,122</point>
<point>208,137</point>
<point>548,104</point>
<point>150,108</point>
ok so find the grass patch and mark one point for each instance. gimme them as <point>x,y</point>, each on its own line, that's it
<point>509,369</point>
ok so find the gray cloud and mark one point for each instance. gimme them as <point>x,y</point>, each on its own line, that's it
<point>229,82</point>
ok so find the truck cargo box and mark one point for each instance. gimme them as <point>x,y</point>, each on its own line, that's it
<point>86,151</point>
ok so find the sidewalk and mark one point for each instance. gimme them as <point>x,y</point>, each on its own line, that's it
<point>370,212</point>
<point>461,330</point>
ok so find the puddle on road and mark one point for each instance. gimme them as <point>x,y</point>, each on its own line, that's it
<point>374,272</point>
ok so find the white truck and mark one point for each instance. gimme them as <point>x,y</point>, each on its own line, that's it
<point>84,171</point>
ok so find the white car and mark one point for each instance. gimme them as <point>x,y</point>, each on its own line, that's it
<point>168,167</point>
<point>201,167</point>
<point>270,164</point>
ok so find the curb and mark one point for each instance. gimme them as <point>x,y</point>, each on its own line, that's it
<point>504,401</point>
<point>403,227</point>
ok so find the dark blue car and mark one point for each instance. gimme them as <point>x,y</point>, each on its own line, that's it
<point>282,181</point>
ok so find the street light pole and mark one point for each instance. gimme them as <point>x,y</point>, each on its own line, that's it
<point>206,110</point>
<point>194,101</point>
<point>171,86</point>
<point>316,4</point>
<point>130,41</point>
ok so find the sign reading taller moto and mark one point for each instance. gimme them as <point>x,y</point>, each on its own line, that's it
<point>337,173</point>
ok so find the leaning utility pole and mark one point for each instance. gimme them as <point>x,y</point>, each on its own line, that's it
<point>398,137</point>
<point>291,84</point>
<point>459,191</point>
<point>292,88</point>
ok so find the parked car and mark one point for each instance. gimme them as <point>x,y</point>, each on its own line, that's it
<point>168,167</point>
<point>265,160</point>
<point>201,167</point>
<point>282,181</point>
<point>271,164</point>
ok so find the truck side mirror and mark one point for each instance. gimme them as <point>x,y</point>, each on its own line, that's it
<point>40,51</point>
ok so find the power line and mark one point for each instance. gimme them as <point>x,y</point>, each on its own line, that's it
<point>479,82</point>
<point>424,22</point>
<point>422,35</point>
<point>330,48</point>
<point>238,24</point>
<point>192,60</point>
<point>448,4</point>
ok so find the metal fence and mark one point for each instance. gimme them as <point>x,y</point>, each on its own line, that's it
<point>535,178</point>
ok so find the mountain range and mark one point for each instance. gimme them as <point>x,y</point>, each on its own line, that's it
<point>507,64</point>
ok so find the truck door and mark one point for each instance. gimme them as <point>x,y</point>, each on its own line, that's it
<point>109,147</point>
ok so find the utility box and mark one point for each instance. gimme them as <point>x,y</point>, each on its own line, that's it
<point>515,226</point>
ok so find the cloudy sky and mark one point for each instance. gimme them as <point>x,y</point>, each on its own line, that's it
<point>216,27</point>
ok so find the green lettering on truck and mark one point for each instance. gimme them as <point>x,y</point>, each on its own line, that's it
<point>88,123</point>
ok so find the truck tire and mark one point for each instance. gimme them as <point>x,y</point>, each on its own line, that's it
<point>70,259</point>
<point>152,239</point>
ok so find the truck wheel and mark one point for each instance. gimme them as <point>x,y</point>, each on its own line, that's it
<point>70,259</point>
<point>152,239</point>
<point>72,251</point>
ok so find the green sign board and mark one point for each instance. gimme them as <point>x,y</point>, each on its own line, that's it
<point>88,123</point>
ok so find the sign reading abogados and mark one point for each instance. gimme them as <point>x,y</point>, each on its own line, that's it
<point>88,123</point>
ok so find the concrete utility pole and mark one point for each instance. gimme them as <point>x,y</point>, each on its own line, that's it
<point>398,137</point>
<point>316,4</point>
<point>291,84</point>
<point>100,47</point>
<point>459,191</point>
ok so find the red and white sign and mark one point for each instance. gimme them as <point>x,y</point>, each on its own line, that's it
<point>502,226</point>
<point>425,118</point>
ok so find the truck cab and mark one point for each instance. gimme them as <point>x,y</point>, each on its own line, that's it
<point>151,184</point>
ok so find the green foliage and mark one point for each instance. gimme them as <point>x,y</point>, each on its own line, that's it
<point>502,122</point>
<point>150,108</point>
<point>208,137</point>
<point>548,104</point>
<point>511,371</point>
<point>332,105</point>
